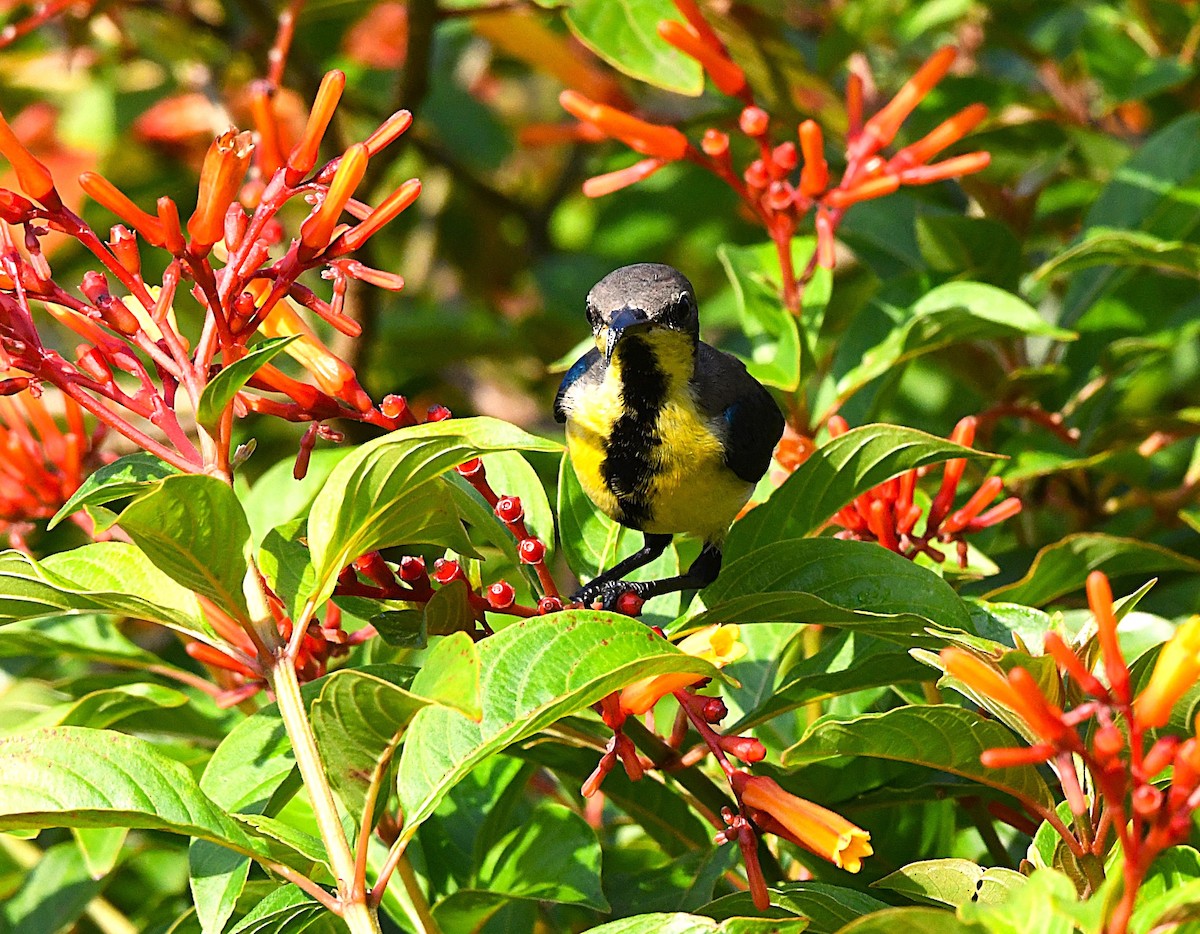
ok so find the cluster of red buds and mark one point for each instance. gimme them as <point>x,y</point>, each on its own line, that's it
<point>784,182</point>
<point>888,513</point>
<point>230,254</point>
<point>237,668</point>
<point>41,463</point>
<point>1147,808</point>
<point>372,577</point>
<point>762,805</point>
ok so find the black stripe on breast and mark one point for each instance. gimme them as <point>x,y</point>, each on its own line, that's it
<point>628,467</point>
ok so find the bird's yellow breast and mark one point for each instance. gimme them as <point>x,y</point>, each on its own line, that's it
<point>690,488</point>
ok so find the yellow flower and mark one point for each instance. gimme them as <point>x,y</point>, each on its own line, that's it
<point>1176,670</point>
<point>813,827</point>
<point>717,645</point>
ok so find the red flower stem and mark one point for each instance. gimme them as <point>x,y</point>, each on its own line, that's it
<point>711,738</point>
<point>549,587</point>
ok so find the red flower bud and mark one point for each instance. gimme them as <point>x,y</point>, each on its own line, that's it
<point>412,569</point>
<point>508,509</point>
<point>714,710</point>
<point>471,468</point>
<point>500,595</point>
<point>437,413</point>
<point>753,121</point>
<point>548,605</point>
<point>715,143</point>
<point>446,571</point>
<point>531,551</point>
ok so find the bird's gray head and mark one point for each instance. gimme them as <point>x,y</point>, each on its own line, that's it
<point>641,297</point>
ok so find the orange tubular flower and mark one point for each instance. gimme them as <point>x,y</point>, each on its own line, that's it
<point>1099,595</point>
<point>650,139</point>
<point>317,229</point>
<point>817,829</point>
<point>727,76</point>
<point>872,188</point>
<point>393,205</point>
<point>881,128</point>
<point>815,174</point>
<point>944,135</point>
<point>717,645</point>
<point>304,156</point>
<point>33,177</point>
<point>978,674</point>
<point>951,168</point>
<point>1176,670</point>
<point>104,192</point>
<point>1018,692</point>
<point>224,168</point>
<point>606,184</point>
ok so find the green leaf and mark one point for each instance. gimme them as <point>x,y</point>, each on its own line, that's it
<point>939,737</point>
<point>225,385</point>
<point>1103,246</point>
<point>192,528</point>
<point>104,576</point>
<point>287,910</point>
<point>625,34</point>
<point>277,497</point>
<point>79,777</point>
<point>592,542</point>
<point>553,856</point>
<point>856,585</point>
<point>102,708</point>
<point>911,921</point>
<point>950,314</point>
<point>1063,567</point>
<point>1170,894</point>
<point>87,635</point>
<point>100,847</point>
<point>532,673</point>
<point>1045,904</point>
<point>360,715</point>
<point>284,560</point>
<point>771,329</point>
<point>381,494</point>
<point>838,471</point>
<point>123,477</point>
<point>952,882</point>
<point>826,907</point>
<point>53,896</point>
<point>679,923</point>
<point>850,662</point>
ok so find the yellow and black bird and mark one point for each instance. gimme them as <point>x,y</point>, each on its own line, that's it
<point>667,434</point>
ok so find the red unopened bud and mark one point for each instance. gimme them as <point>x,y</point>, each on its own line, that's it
<point>1146,800</point>
<point>500,595</point>
<point>1099,595</point>
<point>746,748</point>
<point>394,406</point>
<point>446,571</point>
<point>959,519</point>
<point>508,509</point>
<point>548,605</point>
<point>472,468</point>
<point>168,216</point>
<point>779,196</point>
<point>756,174</point>
<point>304,156</point>
<point>814,177</point>
<point>1160,756</point>
<point>123,243</point>
<point>92,364</point>
<point>945,134</point>
<point>714,710</point>
<point>630,604</point>
<point>784,155</point>
<point>531,550</point>
<point>95,287</point>
<point>15,209</point>
<point>13,385</point>
<point>715,143</point>
<point>412,569</point>
<point>437,413</point>
<point>1108,741</point>
<point>753,121</point>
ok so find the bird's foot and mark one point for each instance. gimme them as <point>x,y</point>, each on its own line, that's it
<point>619,596</point>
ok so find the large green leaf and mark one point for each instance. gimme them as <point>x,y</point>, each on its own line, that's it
<point>911,921</point>
<point>225,385</point>
<point>950,314</point>
<point>826,907</point>
<point>857,585</point>
<point>278,497</point>
<point>952,882</point>
<point>553,856</point>
<point>79,777</point>
<point>361,714</point>
<point>1102,246</point>
<point>625,34</point>
<point>939,736</point>
<point>834,474</point>
<point>680,923</point>
<point>287,910</point>
<point>123,477</point>
<point>532,673</point>
<point>105,576</point>
<point>102,708</point>
<point>1063,567</point>
<point>193,529</point>
<point>369,500</point>
<point>89,635</point>
<point>52,896</point>
<point>1046,904</point>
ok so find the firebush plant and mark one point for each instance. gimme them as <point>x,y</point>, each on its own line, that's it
<point>286,635</point>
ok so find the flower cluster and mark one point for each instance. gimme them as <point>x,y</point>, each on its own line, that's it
<point>888,513</point>
<point>41,464</point>
<point>231,253</point>
<point>1137,799</point>
<point>787,178</point>
<point>762,805</point>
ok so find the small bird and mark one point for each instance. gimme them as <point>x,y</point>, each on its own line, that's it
<point>667,434</point>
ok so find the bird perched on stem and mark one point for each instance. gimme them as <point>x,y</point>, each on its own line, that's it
<point>666,434</point>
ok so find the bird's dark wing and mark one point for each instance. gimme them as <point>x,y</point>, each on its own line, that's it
<point>578,369</point>
<point>753,421</point>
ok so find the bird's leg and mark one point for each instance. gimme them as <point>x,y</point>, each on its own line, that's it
<point>704,571</point>
<point>652,547</point>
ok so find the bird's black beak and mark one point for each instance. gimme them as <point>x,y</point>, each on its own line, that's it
<point>623,320</point>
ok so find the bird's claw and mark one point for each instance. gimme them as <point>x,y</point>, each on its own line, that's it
<point>604,595</point>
